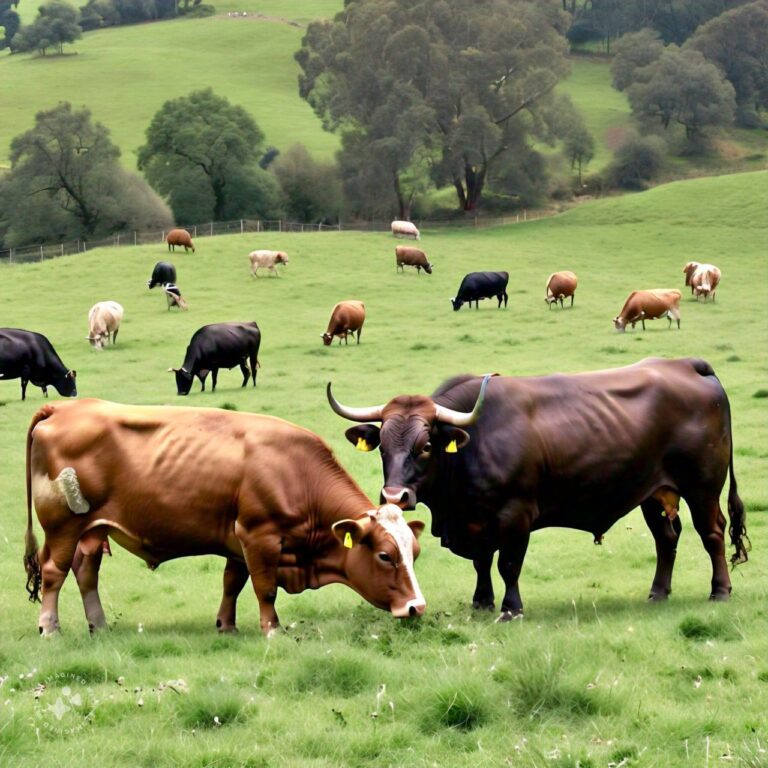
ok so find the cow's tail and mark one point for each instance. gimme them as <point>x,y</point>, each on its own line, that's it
<point>31,557</point>
<point>738,529</point>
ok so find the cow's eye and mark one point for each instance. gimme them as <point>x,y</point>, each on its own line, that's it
<point>384,557</point>
<point>426,448</point>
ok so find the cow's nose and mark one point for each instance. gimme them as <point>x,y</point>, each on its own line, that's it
<point>404,498</point>
<point>416,608</point>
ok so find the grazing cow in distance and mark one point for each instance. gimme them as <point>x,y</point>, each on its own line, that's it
<point>179,237</point>
<point>219,345</point>
<point>173,297</point>
<point>347,317</point>
<point>560,286</point>
<point>649,305</point>
<point>267,260</point>
<point>481,285</point>
<point>162,273</point>
<point>407,256</point>
<point>167,482</point>
<point>497,458</point>
<point>29,356</point>
<point>703,279</point>
<point>104,320</point>
<point>405,229</point>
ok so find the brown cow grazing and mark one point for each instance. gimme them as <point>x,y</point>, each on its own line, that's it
<point>703,279</point>
<point>407,256</point>
<point>167,482</point>
<point>560,285</point>
<point>179,237</point>
<point>649,305</point>
<point>267,260</point>
<point>104,321</point>
<point>347,317</point>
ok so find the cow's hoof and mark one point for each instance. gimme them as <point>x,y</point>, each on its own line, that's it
<point>720,596</point>
<point>483,605</point>
<point>47,632</point>
<point>509,616</point>
<point>228,630</point>
<point>658,597</point>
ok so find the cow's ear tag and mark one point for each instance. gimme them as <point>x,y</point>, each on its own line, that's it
<point>451,447</point>
<point>362,445</point>
<point>348,540</point>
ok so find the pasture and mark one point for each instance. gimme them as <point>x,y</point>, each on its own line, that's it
<point>593,676</point>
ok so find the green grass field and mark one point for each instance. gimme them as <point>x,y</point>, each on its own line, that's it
<point>593,676</point>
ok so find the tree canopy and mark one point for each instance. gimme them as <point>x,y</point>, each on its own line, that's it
<point>9,21</point>
<point>436,91</point>
<point>57,23</point>
<point>65,182</point>
<point>202,154</point>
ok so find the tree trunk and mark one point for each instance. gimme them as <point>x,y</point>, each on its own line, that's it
<point>475,180</point>
<point>403,206</point>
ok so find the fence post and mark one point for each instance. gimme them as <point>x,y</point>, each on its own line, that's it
<point>62,249</point>
<point>134,237</point>
<point>241,226</point>
<point>279,225</point>
<point>118,238</point>
<point>525,214</point>
<point>211,229</point>
<point>195,230</point>
<point>41,253</point>
<point>258,225</point>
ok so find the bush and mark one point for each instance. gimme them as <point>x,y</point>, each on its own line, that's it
<point>637,161</point>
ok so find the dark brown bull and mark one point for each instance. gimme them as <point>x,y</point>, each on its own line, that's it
<point>498,458</point>
<point>168,482</point>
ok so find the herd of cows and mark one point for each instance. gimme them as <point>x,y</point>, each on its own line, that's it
<point>494,458</point>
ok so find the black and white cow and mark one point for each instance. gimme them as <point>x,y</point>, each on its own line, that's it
<point>163,272</point>
<point>481,285</point>
<point>219,345</point>
<point>29,356</point>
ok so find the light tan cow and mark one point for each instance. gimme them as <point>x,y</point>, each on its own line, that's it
<point>266,260</point>
<point>649,305</point>
<point>560,286</point>
<point>104,320</point>
<point>703,279</point>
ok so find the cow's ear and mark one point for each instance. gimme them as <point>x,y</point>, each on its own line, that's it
<point>417,527</point>
<point>452,439</point>
<point>365,437</point>
<point>351,532</point>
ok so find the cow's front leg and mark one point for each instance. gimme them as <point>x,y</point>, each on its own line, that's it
<point>262,556</point>
<point>214,378</point>
<point>85,566</point>
<point>235,576</point>
<point>515,533</point>
<point>483,597</point>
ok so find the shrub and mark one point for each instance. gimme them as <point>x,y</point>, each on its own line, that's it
<point>637,161</point>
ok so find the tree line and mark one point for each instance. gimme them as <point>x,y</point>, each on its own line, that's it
<point>425,96</point>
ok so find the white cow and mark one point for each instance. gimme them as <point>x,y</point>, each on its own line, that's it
<point>104,319</point>
<point>405,229</point>
<point>267,260</point>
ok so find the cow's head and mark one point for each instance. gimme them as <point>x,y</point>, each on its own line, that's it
<point>379,564</point>
<point>428,268</point>
<point>281,257</point>
<point>457,304</point>
<point>183,380</point>
<point>66,385</point>
<point>414,431</point>
<point>620,323</point>
<point>327,339</point>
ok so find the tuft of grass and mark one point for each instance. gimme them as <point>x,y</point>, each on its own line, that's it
<point>341,675</point>
<point>81,672</point>
<point>464,707</point>
<point>733,359</point>
<point>229,406</point>
<point>760,393</point>
<point>695,628</point>
<point>212,707</point>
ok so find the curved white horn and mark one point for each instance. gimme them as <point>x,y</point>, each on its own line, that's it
<point>354,414</point>
<point>459,419</point>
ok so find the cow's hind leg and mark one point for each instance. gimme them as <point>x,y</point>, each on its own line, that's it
<point>666,530</point>
<point>54,567</point>
<point>483,597</point>
<point>710,524</point>
<point>235,576</point>
<point>246,373</point>
<point>85,566</point>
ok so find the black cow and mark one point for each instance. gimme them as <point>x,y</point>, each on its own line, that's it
<point>31,357</point>
<point>497,458</point>
<point>481,285</point>
<point>163,272</point>
<point>219,345</point>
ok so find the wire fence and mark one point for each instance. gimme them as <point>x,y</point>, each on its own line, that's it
<point>33,253</point>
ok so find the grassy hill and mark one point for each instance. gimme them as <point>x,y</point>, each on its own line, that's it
<point>592,676</point>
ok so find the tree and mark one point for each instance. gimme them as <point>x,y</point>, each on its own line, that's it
<point>682,86</point>
<point>636,161</point>
<point>9,21</point>
<point>204,148</point>
<point>65,182</point>
<point>55,25</point>
<point>311,190</point>
<point>737,42</point>
<point>439,86</point>
<point>633,51</point>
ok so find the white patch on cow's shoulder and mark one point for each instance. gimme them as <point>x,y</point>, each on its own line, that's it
<point>70,487</point>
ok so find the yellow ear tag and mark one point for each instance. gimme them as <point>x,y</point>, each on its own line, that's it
<point>348,540</point>
<point>362,445</point>
<point>451,447</point>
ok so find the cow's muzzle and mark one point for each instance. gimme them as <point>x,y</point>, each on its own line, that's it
<point>405,498</point>
<point>410,609</point>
